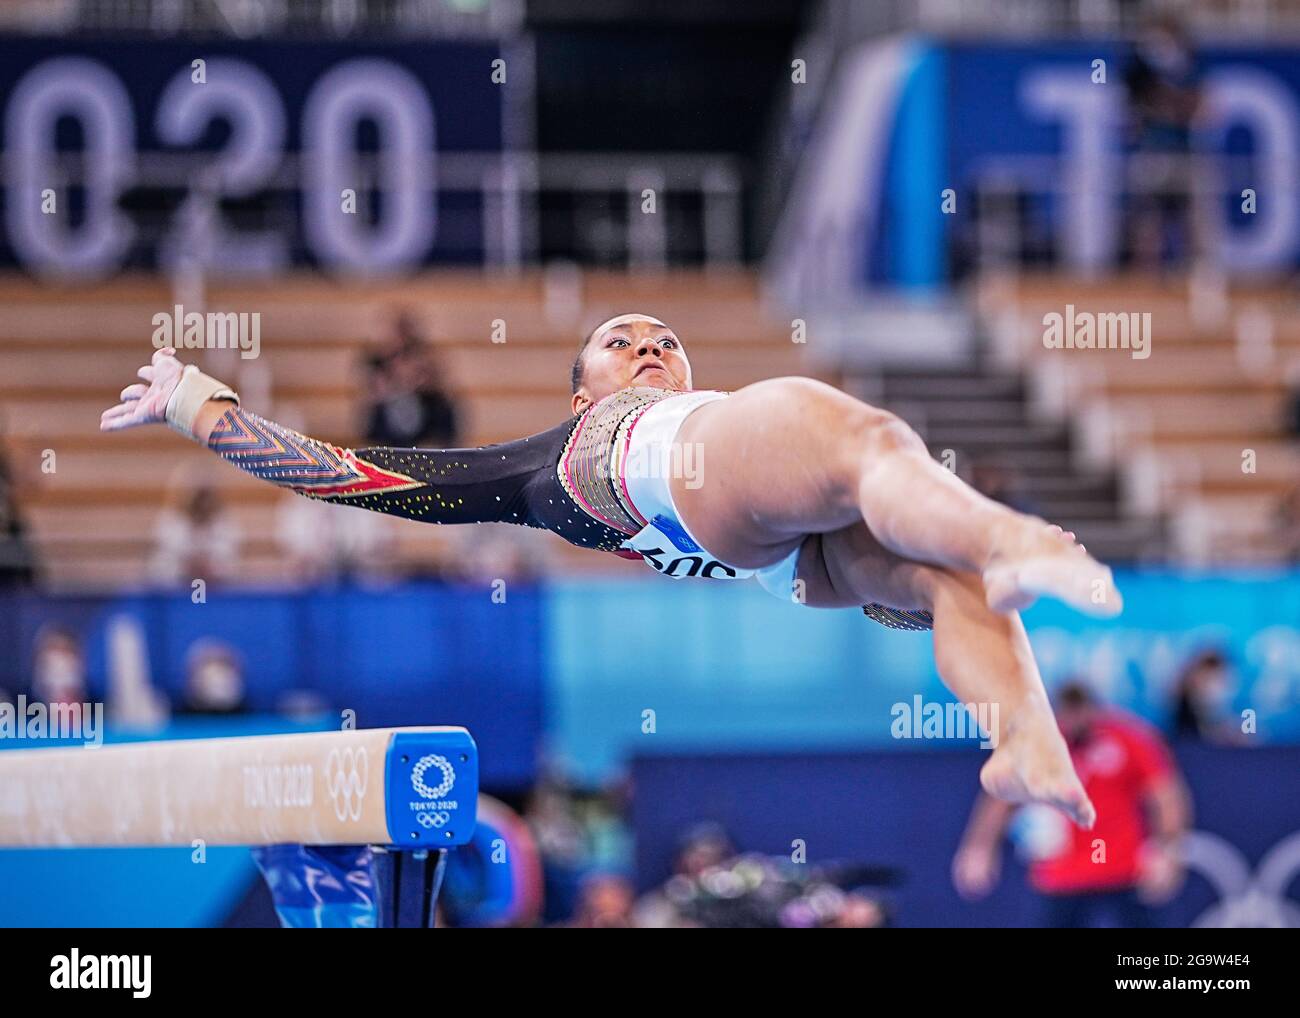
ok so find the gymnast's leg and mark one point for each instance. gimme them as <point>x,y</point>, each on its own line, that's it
<point>983,656</point>
<point>788,457</point>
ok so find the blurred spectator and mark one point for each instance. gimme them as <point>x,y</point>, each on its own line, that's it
<point>326,543</point>
<point>580,837</point>
<point>704,846</point>
<point>753,891</point>
<point>1164,96</point>
<point>605,900</point>
<point>58,666</point>
<point>550,815</point>
<point>1202,701</point>
<point>858,912</point>
<point>17,558</point>
<point>214,679</point>
<point>604,820</point>
<point>561,842</point>
<point>133,701</point>
<point>409,403</point>
<point>195,539</point>
<point>1128,861</point>
<point>497,551</point>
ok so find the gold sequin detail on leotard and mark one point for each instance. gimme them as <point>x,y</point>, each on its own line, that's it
<point>591,465</point>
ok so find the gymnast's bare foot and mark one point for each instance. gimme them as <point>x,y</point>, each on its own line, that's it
<point>1045,560</point>
<point>1032,764</point>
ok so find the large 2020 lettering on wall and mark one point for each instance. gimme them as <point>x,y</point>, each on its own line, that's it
<point>371,124</point>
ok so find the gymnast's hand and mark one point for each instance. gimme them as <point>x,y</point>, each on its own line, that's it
<point>146,404</point>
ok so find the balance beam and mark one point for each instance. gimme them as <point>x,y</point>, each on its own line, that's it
<point>411,788</point>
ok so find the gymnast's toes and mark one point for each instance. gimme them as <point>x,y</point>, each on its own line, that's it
<point>1077,580</point>
<point>1036,768</point>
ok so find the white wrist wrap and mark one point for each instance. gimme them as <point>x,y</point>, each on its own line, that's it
<point>191,392</point>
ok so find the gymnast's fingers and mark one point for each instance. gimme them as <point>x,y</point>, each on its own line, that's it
<point>117,417</point>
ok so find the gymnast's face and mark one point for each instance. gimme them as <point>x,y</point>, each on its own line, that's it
<point>636,352</point>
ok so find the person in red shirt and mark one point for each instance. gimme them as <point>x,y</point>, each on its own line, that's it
<point>1129,860</point>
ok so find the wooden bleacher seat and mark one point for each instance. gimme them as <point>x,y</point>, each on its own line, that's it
<point>1197,403</point>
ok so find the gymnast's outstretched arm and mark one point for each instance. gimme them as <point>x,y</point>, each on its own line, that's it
<point>435,485</point>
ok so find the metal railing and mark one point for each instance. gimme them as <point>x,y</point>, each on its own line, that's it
<point>1019,216</point>
<point>851,21</point>
<point>246,19</point>
<point>507,210</point>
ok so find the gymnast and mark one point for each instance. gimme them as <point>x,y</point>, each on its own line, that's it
<point>827,501</point>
